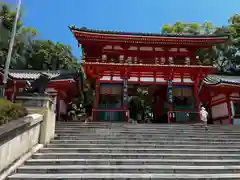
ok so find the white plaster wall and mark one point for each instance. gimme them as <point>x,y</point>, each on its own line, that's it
<point>177,80</point>
<point>188,80</point>
<point>236,94</point>
<point>160,80</point>
<point>145,79</point>
<point>219,110</point>
<point>107,78</point>
<point>11,150</point>
<point>117,78</point>
<point>236,121</point>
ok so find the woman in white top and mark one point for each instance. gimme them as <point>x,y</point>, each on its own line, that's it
<point>204,116</point>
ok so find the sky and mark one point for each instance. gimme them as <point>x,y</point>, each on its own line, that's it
<point>52,17</point>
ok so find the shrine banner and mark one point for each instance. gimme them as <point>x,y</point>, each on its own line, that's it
<point>125,91</point>
<point>170,92</point>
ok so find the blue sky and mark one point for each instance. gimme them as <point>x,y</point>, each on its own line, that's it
<point>52,17</point>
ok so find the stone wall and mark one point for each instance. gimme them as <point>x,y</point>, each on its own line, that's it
<point>17,138</point>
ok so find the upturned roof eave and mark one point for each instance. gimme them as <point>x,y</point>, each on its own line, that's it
<point>138,34</point>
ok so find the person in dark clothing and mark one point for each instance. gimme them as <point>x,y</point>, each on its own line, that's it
<point>88,108</point>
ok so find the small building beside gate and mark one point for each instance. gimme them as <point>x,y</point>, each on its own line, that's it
<point>66,85</point>
<point>222,94</point>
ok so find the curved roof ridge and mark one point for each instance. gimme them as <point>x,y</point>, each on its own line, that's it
<point>85,29</point>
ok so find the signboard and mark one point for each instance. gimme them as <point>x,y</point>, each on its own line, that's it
<point>110,89</point>
<point>184,91</point>
<point>170,92</point>
<point>125,91</point>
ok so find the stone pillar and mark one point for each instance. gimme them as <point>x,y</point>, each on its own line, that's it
<point>42,104</point>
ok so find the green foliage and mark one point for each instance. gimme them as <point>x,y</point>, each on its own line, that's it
<point>28,52</point>
<point>10,111</point>
<point>46,55</point>
<point>141,103</point>
<point>226,56</point>
<point>188,28</point>
<point>8,16</point>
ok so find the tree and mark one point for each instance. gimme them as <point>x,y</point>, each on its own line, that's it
<point>25,37</point>
<point>28,51</point>
<point>205,55</point>
<point>188,28</point>
<point>7,16</point>
<point>46,55</point>
<point>226,56</point>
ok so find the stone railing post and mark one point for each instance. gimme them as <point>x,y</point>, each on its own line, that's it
<point>45,105</point>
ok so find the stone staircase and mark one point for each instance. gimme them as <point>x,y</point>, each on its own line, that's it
<point>136,151</point>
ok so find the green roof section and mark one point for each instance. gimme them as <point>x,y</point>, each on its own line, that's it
<point>222,80</point>
<point>33,75</point>
<point>84,29</point>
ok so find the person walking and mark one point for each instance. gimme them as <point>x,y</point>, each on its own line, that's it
<point>204,117</point>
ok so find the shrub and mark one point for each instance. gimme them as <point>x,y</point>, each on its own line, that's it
<point>10,111</point>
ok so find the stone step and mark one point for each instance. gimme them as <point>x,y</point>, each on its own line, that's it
<point>169,155</point>
<point>195,146</point>
<point>162,136</point>
<point>187,162</point>
<point>128,176</point>
<point>195,141</point>
<point>139,150</point>
<point>145,138</point>
<point>153,128</point>
<point>150,126</point>
<point>157,133</point>
<point>136,151</point>
<point>125,124</point>
<point>127,169</point>
<point>198,127</point>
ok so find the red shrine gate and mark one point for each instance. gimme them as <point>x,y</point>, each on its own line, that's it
<point>119,60</point>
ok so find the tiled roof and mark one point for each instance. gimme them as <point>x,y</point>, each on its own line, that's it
<point>84,29</point>
<point>219,79</point>
<point>32,75</point>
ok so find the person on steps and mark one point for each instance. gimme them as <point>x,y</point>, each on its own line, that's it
<point>204,117</point>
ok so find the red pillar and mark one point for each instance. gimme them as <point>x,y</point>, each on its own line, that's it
<point>159,103</point>
<point>96,101</point>
<point>58,106</point>
<point>193,60</point>
<point>13,91</point>
<point>229,110</point>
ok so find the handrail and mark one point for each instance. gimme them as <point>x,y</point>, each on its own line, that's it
<point>172,112</point>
